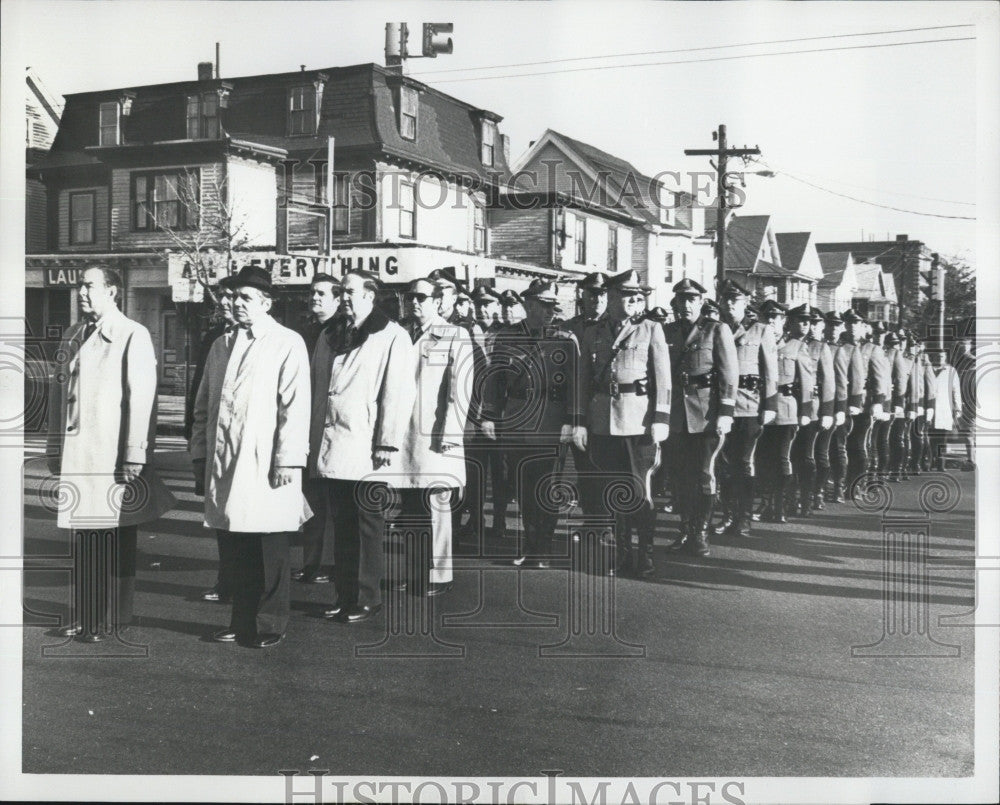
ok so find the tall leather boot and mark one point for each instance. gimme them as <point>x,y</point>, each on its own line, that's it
<point>683,507</point>
<point>779,500</point>
<point>744,508</point>
<point>698,545</point>
<point>644,560</point>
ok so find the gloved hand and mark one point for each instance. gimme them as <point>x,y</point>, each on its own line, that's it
<point>580,437</point>
<point>826,422</point>
<point>877,411</point>
<point>930,414</point>
<point>840,418</point>
<point>897,411</point>
<point>920,410</point>
<point>804,420</point>
<point>768,416</point>
<point>199,476</point>
<point>724,424</point>
<point>911,414</point>
<point>488,429</point>
<point>566,434</point>
<point>854,410</point>
<point>659,431</point>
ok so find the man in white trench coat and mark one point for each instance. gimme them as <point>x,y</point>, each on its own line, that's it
<point>363,397</point>
<point>432,459</point>
<point>250,442</point>
<point>101,433</point>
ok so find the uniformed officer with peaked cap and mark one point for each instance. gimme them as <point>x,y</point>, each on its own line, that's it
<point>756,404</point>
<point>531,398</point>
<point>705,381</point>
<point>510,307</point>
<point>625,389</point>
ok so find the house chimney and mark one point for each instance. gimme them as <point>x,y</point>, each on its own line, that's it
<point>902,237</point>
<point>205,70</point>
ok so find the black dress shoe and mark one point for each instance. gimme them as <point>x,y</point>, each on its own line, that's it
<point>298,575</point>
<point>336,611</point>
<point>224,636</point>
<point>266,640</point>
<point>438,588</point>
<point>94,637</point>
<point>725,525</point>
<point>317,578</point>
<point>358,614</point>
<point>215,595</point>
<point>71,630</point>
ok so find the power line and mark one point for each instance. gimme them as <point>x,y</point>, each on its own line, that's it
<point>873,203</point>
<point>711,59</point>
<point>690,50</point>
<point>876,189</point>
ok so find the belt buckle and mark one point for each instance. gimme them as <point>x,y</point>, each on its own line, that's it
<point>684,378</point>
<point>614,389</point>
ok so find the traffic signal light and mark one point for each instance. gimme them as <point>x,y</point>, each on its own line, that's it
<point>437,39</point>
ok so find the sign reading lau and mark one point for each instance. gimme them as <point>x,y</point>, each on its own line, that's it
<point>391,264</point>
<point>62,277</point>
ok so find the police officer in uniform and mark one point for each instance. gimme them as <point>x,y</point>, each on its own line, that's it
<point>756,406</point>
<point>705,380</point>
<point>849,379</point>
<point>820,412</point>
<point>511,309</point>
<point>795,390</point>
<point>593,296</point>
<point>876,373</point>
<point>531,398</point>
<point>906,411</point>
<point>886,429</point>
<point>624,386</point>
<point>920,446</point>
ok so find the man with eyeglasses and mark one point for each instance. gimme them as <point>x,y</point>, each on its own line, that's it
<point>705,381</point>
<point>624,389</point>
<point>431,458</point>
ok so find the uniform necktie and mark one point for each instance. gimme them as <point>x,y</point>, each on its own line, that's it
<point>89,329</point>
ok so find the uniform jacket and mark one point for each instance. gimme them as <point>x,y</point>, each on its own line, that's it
<point>611,365</point>
<point>363,396</point>
<point>443,379</point>
<point>915,391</point>
<point>102,407</point>
<point>530,390</point>
<point>757,355</point>
<point>900,367</point>
<point>930,382</point>
<point>795,375</point>
<point>250,416</point>
<point>578,324</point>
<point>850,375</point>
<point>707,351</point>
<point>879,384</point>
<point>826,384</point>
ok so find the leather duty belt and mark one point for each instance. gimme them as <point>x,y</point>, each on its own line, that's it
<point>749,382</point>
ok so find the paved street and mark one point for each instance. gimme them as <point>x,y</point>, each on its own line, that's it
<point>740,664</point>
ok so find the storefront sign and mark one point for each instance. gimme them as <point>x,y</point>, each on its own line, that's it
<point>62,277</point>
<point>392,265</point>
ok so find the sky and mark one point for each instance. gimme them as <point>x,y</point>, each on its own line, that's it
<point>892,125</point>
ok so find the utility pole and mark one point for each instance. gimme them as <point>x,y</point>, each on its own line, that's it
<point>722,153</point>
<point>937,294</point>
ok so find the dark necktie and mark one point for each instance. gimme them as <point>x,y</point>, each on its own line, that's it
<point>89,330</point>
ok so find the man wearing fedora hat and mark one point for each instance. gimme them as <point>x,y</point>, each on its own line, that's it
<point>250,442</point>
<point>531,399</point>
<point>821,413</point>
<point>624,388</point>
<point>706,372</point>
<point>756,406</point>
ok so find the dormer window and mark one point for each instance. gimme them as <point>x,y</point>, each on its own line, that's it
<point>203,116</point>
<point>489,139</point>
<point>407,113</point>
<point>668,204</point>
<point>110,123</point>
<point>303,106</point>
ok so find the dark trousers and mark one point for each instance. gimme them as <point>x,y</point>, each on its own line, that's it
<point>533,469</point>
<point>317,531</point>
<point>623,462</point>
<point>224,583</point>
<point>262,583</point>
<point>736,465</point>
<point>879,459</point>
<point>803,456</point>
<point>918,443</point>
<point>482,457</point>
<point>857,446</point>
<point>899,444</point>
<point>774,453</point>
<point>692,472</point>
<point>824,439</point>
<point>358,509</point>
<point>939,441</point>
<point>103,578</point>
<point>839,456</point>
<point>415,515</point>
<point>588,485</point>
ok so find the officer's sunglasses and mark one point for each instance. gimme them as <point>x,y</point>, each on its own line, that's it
<point>411,296</point>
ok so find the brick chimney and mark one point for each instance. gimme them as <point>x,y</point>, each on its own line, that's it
<point>205,70</point>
